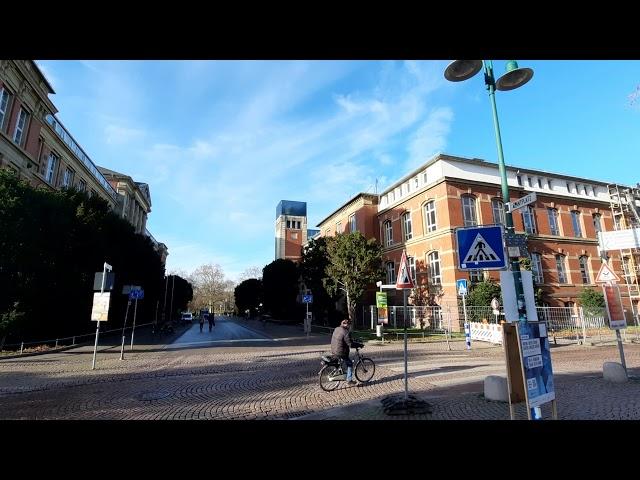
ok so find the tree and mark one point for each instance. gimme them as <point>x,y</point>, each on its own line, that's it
<point>592,302</point>
<point>251,272</point>
<point>482,293</point>
<point>313,266</point>
<point>248,295</point>
<point>209,286</point>
<point>280,288</point>
<point>354,264</point>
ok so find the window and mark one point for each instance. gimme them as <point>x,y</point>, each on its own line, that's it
<point>4,105</point>
<point>552,213</point>
<point>424,178</point>
<point>21,127</point>
<point>339,227</point>
<point>391,273</point>
<point>433,261</point>
<point>528,220</point>
<point>298,224</point>
<point>415,183</point>
<point>476,276</point>
<point>430,216</point>
<point>549,184</point>
<point>406,223</point>
<point>392,196</point>
<point>388,233</point>
<point>597,224</point>
<point>82,185</point>
<point>412,268</point>
<point>539,182</point>
<point>352,223</point>
<point>529,181</point>
<point>568,187</point>
<point>584,269</point>
<point>288,223</point>
<point>498,211</point>
<point>469,211</point>
<point>536,268</point>
<point>562,273</point>
<point>519,178</point>
<point>50,169</point>
<point>294,235</point>
<point>575,221</point>
<point>616,222</point>
<point>67,179</point>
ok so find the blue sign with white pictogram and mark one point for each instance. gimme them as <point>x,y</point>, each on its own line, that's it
<point>461,286</point>
<point>481,248</point>
<point>136,294</point>
<point>307,299</point>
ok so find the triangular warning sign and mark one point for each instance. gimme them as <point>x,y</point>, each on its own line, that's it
<point>404,278</point>
<point>606,274</point>
<point>479,252</point>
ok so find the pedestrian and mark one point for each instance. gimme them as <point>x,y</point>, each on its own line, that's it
<point>212,321</point>
<point>201,322</point>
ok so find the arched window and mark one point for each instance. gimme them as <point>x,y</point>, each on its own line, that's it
<point>552,213</point>
<point>433,262</point>
<point>528,220</point>
<point>497,206</point>
<point>469,211</point>
<point>430,216</point>
<point>536,268</point>
<point>391,273</point>
<point>575,221</point>
<point>406,226</point>
<point>584,269</point>
<point>388,233</point>
<point>560,266</point>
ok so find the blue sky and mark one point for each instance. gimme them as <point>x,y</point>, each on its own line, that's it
<point>220,143</point>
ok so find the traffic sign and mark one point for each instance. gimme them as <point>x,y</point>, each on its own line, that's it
<point>100,308</point>
<point>606,274</point>
<point>461,286</point>
<point>307,298</point>
<point>521,202</point>
<point>404,278</point>
<point>136,293</point>
<point>495,306</point>
<point>481,248</point>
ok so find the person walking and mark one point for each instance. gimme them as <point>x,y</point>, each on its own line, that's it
<point>212,321</point>
<point>201,322</point>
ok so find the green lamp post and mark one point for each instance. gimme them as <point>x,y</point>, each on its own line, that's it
<point>515,77</point>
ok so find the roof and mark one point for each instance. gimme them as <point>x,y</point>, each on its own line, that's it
<point>370,196</point>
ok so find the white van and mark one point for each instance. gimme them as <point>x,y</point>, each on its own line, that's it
<point>187,317</point>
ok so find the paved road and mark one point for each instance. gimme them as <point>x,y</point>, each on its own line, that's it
<point>277,379</point>
<point>225,331</point>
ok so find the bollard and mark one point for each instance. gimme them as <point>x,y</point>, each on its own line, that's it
<point>21,347</point>
<point>467,335</point>
<point>56,343</point>
<point>74,341</point>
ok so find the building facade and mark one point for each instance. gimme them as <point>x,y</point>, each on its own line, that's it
<point>36,147</point>
<point>291,229</point>
<point>420,212</point>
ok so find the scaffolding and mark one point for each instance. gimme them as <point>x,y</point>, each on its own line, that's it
<point>625,208</point>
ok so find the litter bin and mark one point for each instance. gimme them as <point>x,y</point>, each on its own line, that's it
<point>378,330</point>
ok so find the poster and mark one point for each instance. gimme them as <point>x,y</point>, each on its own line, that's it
<point>615,310</point>
<point>536,359</point>
<point>381,303</point>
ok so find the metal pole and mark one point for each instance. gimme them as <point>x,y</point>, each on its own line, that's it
<point>467,326</point>
<point>515,264</point>
<point>584,329</point>
<point>95,346</point>
<point>406,374</point>
<point>173,285</point>
<point>306,320</point>
<point>624,364</point>
<point>21,347</point>
<point>448,334</point>
<point>126,313</point>
<point>135,311</point>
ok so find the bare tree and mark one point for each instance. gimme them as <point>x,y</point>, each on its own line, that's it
<point>251,272</point>
<point>210,286</point>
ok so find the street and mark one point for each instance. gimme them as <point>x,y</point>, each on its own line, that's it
<point>241,372</point>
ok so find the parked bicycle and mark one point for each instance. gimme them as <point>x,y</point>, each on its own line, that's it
<point>334,371</point>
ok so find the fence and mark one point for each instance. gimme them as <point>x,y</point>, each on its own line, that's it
<point>73,341</point>
<point>564,324</point>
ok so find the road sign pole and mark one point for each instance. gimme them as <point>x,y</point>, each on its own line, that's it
<point>406,374</point>
<point>123,327</point>
<point>467,326</point>
<point>95,346</point>
<point>306,321</point>
<point>135,311</point>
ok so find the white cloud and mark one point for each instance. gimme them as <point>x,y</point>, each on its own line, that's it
<point>118,135</point>
<point>430,137</point>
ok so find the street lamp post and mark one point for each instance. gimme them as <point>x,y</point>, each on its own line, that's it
<point>515,77</point>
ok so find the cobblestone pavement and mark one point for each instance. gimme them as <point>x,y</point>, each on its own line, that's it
<point>278,380</point>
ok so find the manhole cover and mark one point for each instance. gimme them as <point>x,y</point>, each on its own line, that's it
<point>148,396</point>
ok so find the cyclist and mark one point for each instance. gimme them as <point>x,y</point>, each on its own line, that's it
<point>341,342</point>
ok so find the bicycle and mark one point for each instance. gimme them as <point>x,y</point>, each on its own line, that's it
<point>333,371</point>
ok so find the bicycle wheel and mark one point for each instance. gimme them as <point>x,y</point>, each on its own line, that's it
<point>365,369</point>
<point>326,384</point>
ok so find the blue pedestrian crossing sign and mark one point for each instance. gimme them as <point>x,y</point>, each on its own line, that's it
<point>481,248</point>
<point>461,286</point>
<point>307,298</point>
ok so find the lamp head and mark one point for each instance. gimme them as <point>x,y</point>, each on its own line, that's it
<point>514,78</point>
<point>460,70</point>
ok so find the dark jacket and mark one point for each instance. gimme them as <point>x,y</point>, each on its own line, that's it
<point>341,341</point>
